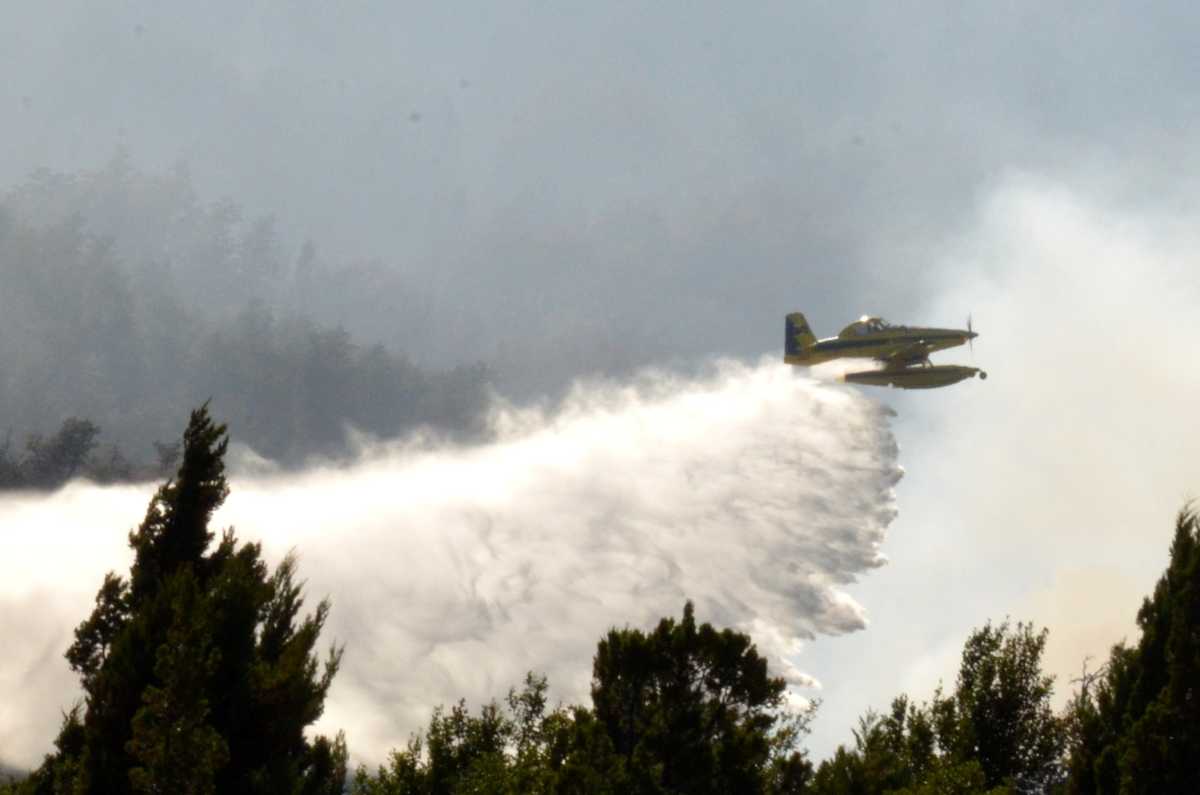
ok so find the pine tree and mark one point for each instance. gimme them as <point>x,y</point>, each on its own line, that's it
<point>198,671</point>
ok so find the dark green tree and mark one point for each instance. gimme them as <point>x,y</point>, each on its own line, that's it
<point>1136,727</point>
<point>1000,715</point>
<point>515,747</point>
<point>891,752</point>
<point>178,751</point>
<point>199,672</point>
<point>996,732</point>
<point>693,709</point>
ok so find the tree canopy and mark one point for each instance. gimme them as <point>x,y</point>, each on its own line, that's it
<point>694,709</point>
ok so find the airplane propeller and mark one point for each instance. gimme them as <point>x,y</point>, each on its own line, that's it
<point>971,342</point>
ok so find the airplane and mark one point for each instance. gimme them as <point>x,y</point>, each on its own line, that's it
<point>904,350</point>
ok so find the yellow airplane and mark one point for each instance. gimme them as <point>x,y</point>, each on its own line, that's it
<point>904,350</point>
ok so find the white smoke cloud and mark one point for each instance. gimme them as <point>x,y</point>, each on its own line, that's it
<point>1091,341</point>
<point>756,492</point>
<point>1048,492</point>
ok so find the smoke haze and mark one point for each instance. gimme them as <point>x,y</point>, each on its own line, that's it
<point>754,491</point>
<point>1048,492</point>
<point>522,166</point>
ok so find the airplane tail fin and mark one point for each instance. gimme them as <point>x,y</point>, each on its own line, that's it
<point>798,335</point>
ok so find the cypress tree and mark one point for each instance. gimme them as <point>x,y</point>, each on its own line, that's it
<point>1137,727</point>
<point>199,673</point>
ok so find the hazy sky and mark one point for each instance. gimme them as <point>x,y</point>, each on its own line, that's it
<point>1048,492</point>
<point>596,186</point>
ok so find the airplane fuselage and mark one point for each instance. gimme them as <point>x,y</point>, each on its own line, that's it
<point>878,345</point>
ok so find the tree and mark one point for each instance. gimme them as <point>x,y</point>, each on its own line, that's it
<point>514,747</point>
<point>113,467</point>
<point>198,670</point>
<point>683,709</point>
<point>1136,727</point>
<point>99,270</point>
<point>52,462</point>
<point>1000,715</point>
<point>891,752</point>
<point>996,732</point>
<point>177,749</point>
<point>693,709</point>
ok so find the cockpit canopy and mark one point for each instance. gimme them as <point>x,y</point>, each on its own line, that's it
<point>865,325</point>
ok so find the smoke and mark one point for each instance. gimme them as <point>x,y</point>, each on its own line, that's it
<point>755,491</point>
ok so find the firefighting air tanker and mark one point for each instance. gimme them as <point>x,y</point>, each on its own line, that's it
<point>904,351</point>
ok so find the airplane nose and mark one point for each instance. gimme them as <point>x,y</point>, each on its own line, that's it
<point>972,335</point>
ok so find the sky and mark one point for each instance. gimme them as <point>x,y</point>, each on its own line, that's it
<point>597,188</point>
<point>602,186</point>
<point>1049,494</point>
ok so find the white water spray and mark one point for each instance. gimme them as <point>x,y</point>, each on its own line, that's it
<point>755,492</point>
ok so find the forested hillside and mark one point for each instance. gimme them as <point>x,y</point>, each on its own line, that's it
<point>126,297</point>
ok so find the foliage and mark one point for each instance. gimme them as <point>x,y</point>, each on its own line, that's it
<point>683,709</point>
<point>1000,715</point>
<point>198,671</point>
<point>516,747</point>
<point>99,319</point>
<point>1136,726</point>
<point>654,727</point>
<point>891,751</point>
<point>58,458</point>
<point>694,709</point>
<point>995,733</point>
<point>51,462</point>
